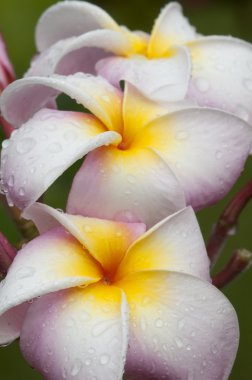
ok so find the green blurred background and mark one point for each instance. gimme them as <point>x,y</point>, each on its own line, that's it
<point>17,23</point>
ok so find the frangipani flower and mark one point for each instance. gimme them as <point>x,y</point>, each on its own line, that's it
<point>145,156</point>
<point>115,299</point>
<point>78,36</point>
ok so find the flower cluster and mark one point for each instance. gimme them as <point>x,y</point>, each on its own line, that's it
<point>119,285</point>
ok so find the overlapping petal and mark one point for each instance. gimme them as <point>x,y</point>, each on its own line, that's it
<point>27,96</point>
<point>80,54</point>
<point>40,151</point>
<point>89,338</point>
<point>68,19</point>
<point>206,149</point>
<point>171,28</point>
<point>180,327</point>
<point>51,262</point>
<point>127,185</point>
<point>173,244</point>
<point>160,79</point>
<point>222,74</point>
<point>11,323</point>
<point>107,241</point>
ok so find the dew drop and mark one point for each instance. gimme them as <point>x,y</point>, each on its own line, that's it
<point>5,144</point>
<point>104,359</point>
<point>21,192</point>
<point>25,145</point>
<point>202,84</point>
<point>88,229</point>
<point>159,323</point>
<point>88,361</point>
<point>10,181</point>
<point>76,368</point>
<point>179,342</point>
<point>218,155</point>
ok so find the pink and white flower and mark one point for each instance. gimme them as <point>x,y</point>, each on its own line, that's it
<point>78,36</point>
<point>145,159</point>
<point>93,298</point>
<point>6,77</point>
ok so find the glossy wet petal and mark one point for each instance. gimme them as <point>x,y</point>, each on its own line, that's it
<point>160,79</point>
<point>106,241</point>
<point>78,334</point>
<point>26,96</point>
<point>222,74</point>
<point>43,148</point>
<point>50,262</point>
<point>205,148</point>
<point>68,19</point>
<point>128,185</point>
<point>174,244</point>
<point>180,327</point>
<point>171,28</point>
<point>80,54</point>
<point>11,322</point>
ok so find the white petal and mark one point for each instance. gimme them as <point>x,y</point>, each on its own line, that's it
<point>11,322</point>
<point>164,79</point>
<point>26,96</point>
<point>128,185</point>
<point>43,148</point>
<point>174,244</point>
<point>50,262</point>
<point>205,148</point>
<point>222,74</point>
<point>70,18</point>
<point>79,334</point>
<point>171,28</point>
<point>79,54</point>
<point>180,328</point>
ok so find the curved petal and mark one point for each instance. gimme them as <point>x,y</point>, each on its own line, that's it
<point>128,185</point>
<point>171,28</point>
<point>26,96</point>
<point>11,322</point>
<point>164,79</point>
<point>180,328</point>
<point>138,111</point>
<point>68,19</point>
<point>80,334</point>
<point>106,241</point>
<point>222,74</point>
<point>174,244</point>
<point>50,262</point>
<point>205,148</point>
<point>39,152</point>
<point>80,54</point>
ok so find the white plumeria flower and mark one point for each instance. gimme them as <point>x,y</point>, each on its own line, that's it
<point>114,300</point>
<point>78,36</point>
<point>147,161</point>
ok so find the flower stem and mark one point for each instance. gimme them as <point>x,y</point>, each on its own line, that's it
<point>7,254</point>
<point>228,221</point>
<point>238,263</point>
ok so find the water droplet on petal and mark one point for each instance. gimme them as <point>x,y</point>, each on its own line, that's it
<point>104,359</point>
<point>21,191</point>
<point>5,144</point>
<point>131,179</point>
<point>10,181</point>
<point>76,368</point>
<point>218,155</point>
<point>54,148</point>
<point>25,145</point>
<point>159,323</point>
